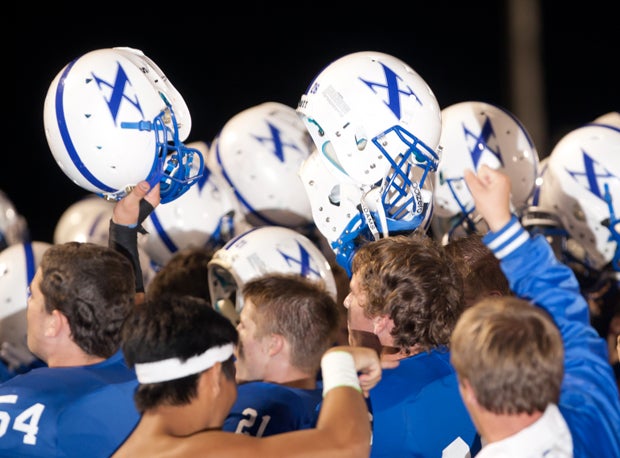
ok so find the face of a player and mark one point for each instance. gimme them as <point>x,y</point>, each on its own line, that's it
<point>356,319</point>
<point>37,318</point>
<point>252,352</point>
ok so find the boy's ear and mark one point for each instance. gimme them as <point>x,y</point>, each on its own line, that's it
<point>467,392</point>
<point>56,323</point>
<point>381,324</point>
<point>210,381</point>
<point>276,344</point>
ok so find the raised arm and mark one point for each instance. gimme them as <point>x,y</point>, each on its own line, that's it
<point>127,217</point>
<point>589,398</point>
<point>343,427</point>
<point>491,192</point>
<point>538,277</point>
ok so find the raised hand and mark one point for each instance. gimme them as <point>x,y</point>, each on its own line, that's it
<point>490,189</point>
<point>127,210</point>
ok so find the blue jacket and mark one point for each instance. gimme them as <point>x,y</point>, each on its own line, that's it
<point>589,399</point>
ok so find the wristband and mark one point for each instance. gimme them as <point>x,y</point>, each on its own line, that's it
<point>124,239</point>
<point>338,369</point>
<point>145,210</point>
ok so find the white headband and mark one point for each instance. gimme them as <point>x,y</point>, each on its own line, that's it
<point>174,368</point>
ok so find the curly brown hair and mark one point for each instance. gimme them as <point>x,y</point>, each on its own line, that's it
<point>410,279</point>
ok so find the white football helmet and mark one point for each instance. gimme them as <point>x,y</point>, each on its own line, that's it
<point>259,152</point>
<point>583,177</point>
<point>368,113</point>
<point>475,133</point>
<point>18,265</point>
<point>207,215</point>
<point>257,252</point>
<point>13,226</point>
<point>539,217</point>
<point>88,220</point>
<point>343,211</point>
<point>376,125</point>
<point>112,119</point>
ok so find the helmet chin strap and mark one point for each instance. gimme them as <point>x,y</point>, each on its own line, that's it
<point>368,216</point>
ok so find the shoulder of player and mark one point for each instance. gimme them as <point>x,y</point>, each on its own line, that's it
<point>275,390</point>
<point>61,385</point>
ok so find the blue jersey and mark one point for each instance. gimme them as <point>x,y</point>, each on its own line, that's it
<point>417,410</point>
<point>7,373</point>
<point>84,411</point>
<point>589,398</point>
<point>263,409</point>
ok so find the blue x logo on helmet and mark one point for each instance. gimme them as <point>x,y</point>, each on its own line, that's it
<point>475,133</point>
<point>257,252</point>
<point>112,119</point>
<point>259,152</point>
<point>583,183</point>
<point>376,122</point>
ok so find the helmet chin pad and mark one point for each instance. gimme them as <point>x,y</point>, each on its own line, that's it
<point>226,307</point>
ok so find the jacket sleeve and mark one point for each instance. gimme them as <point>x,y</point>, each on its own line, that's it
<point>589,398</point>
<point>535,274</point>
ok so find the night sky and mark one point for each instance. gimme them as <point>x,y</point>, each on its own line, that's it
<point>227,63</point>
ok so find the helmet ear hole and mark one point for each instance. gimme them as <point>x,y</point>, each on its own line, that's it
<point>330,154</point>
<point>361,143</point>
<point>334,195</point>
<point>361,138</point>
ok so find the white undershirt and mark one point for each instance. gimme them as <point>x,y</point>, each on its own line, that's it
<point>548,437</point>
